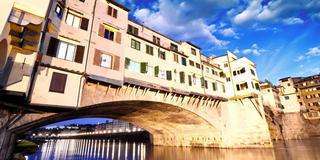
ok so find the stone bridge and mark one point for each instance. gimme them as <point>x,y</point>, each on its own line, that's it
<point>172,118</point>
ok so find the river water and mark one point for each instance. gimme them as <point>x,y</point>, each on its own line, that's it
<point>90,149</point>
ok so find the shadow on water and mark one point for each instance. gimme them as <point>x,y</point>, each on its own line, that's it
<point>81,149</point>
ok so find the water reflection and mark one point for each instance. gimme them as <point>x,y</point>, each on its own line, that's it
<point>82,149</point>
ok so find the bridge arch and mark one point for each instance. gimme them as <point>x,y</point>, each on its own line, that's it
<point>167,124</point>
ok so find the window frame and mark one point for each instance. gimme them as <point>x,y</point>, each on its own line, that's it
<point>135,44</point>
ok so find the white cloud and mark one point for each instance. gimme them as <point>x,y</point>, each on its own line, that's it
<point>300,58</point>
<point>275,11</point>
<point>292,21</point>
<point>228,32</point>
<point>254,50</point>
<point>170,18</point>
<point>312,52</point>
<point>315,51</point>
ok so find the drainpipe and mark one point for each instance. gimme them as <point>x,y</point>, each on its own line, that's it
<point>202,73</point>
<point>88,51</point>
<point>38,58</point>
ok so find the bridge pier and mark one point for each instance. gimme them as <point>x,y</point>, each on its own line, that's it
<point>7,138</point>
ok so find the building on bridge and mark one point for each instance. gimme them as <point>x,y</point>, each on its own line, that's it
<point>62,59</point>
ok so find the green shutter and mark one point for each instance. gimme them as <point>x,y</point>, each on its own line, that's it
<point>143,67</point>
<point>127,63</point>
<point>182,79</point>
<point>169,75</point>
<point>156,71</point>
<point>202,82</point>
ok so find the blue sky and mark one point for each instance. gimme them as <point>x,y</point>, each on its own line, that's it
<point>281,36</point>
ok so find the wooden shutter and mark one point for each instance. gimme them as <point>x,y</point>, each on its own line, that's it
<point>156,71</point>
<point>84,24</point>
<point>79,54</point>
<point>169,75</point>
<point>116,64</point>
<point>118,37</point>
<point>143,67</point>
<point>53,47</point>
<point>190,80</point>
<point>182,79</point>
<point>101,30</point>
<point>110,10</point>
<point>58,82</point>
<point>97,58</point>
<point>115,13</point>
<point>202,82</point>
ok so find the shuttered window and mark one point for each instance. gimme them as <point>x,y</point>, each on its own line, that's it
<point>149,50</point>
<point>73,20</point>
<point>182,77</point>
<point>135,44</point>
<point>112,12</point>
<point>64,50</point>
<point>214,86</point>
<point>176,58</point>
<point>58,82</point>
<point>193,51</point>
<point>106,60</point>
<point>183,61</point>
<point>133,30</point>
<point>169,75</point>
<point>84,23</point>
<point>190,80</point>
<point>143,67</point>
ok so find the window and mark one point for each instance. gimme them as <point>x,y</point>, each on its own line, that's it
<point>244,86</point>
<point>175,58</point>
<point>257,86</point>
<point>223,88</point>
<point>135,44</point>
<point>242,70</point>
<point>207,70</point>
<point>174,47</point>
<point>162,54</point>
<point>73,20</point>
<point>66,51</point>
<point>58,82</point>
<point>112,12</point>
<point>252,72</point>
<point>228,79</point>
<point>108,34</point>
<point>198,65</point>
<point>169,75</point>
<point>133,30</point>
<point>286,97</point>
<point>193,51</point>
<point>189,80</point>
<point>182,77</point>
<point>226,65</point>
<point>106,61</point>
<point>149,50</point>
<point>132,65</point>
<point>183,61</point>
<point>82,0</point>
<point>206,84</point>
<point>59,11</point>
<point>156,40</point>
<point>214,86</point>
<point>191,63</point>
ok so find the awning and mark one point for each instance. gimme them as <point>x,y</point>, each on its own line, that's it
<point>110,28</point>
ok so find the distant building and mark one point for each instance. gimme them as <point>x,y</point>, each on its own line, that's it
<point>241,75</point>
<point>308,89</point>
<point>270,96</point>
<point>288,94</point>
<point>117,126</point>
